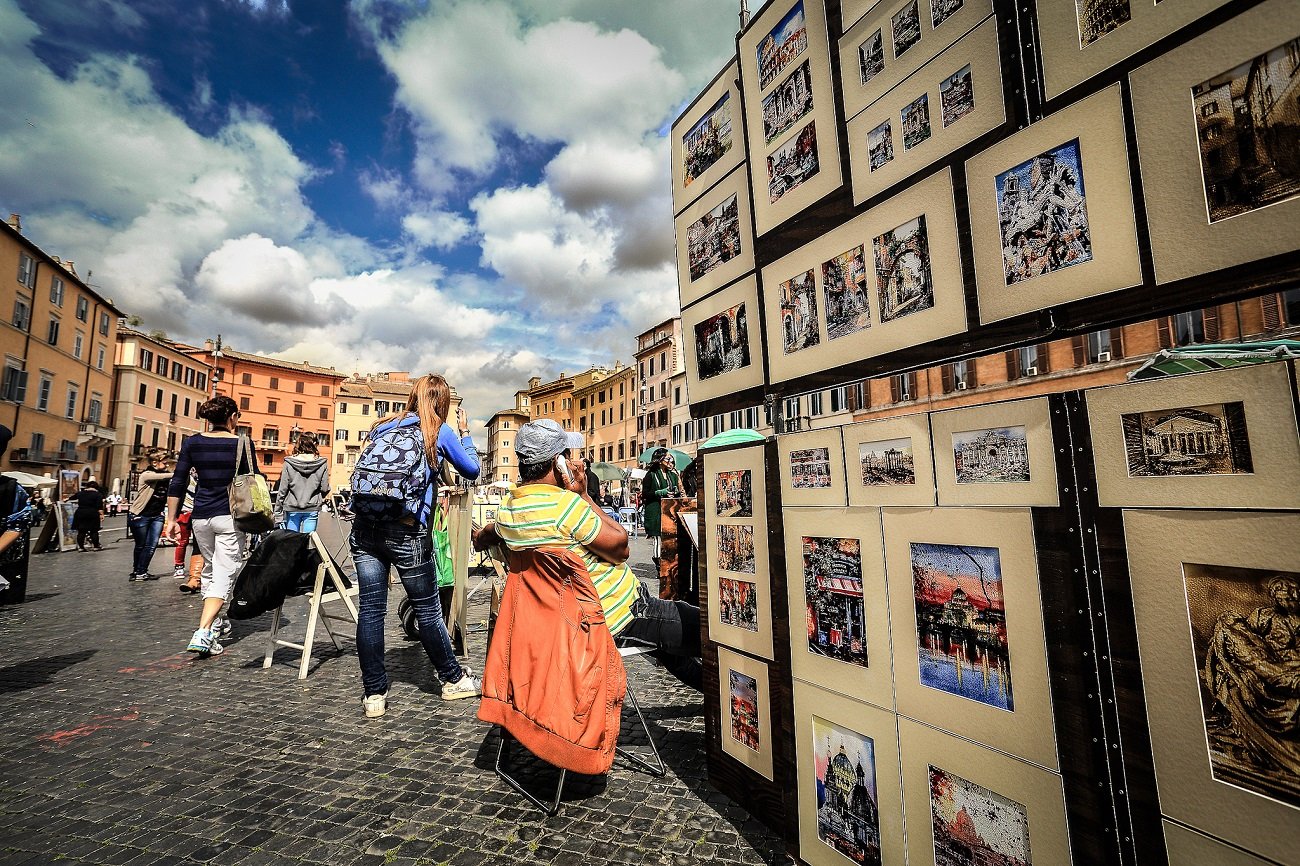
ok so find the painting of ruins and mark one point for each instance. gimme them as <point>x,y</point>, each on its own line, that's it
<point>880,145</point>
<point>736,548</point>
<point>907,28</point>
<point>734,494</point>
<point>903,277</point>
<point>848,807</point>
<point>832,586</point>
<point>916,121</point>
<point>956,96</point>
<point>784,43</point>
<point>1099,17</point>
<point>975,825</point>
<point>713,239</point>
<point>722,343</point>
<point>871,56</point>
<point>792,163</point>
<point>1192,440</point>
<point>961,622</point>
<point>799,313</point>
<point>1249,129</point>
<point>738,603</point>
<point>887,463</point>
<point>942,10</point>
<point>707,141</point>
<point>744,709</point>
<point>788,103</point>
<point>844,282</point>
<point>999,454</point>
<point>1043,215</point>
<point>810,469</point>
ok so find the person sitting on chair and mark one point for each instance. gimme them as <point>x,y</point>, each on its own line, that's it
<point>551,507</point>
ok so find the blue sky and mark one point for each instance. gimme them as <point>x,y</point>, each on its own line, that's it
<point>473,187</point>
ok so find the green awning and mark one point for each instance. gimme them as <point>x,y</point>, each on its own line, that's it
<point>732,437</point>
<point>1215,356</point>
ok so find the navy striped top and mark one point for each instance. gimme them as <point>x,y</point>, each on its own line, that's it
<point>213,457</point>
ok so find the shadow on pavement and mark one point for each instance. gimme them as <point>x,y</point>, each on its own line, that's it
<point>39,672</point>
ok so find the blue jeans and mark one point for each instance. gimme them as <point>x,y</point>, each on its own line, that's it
<point>375,548</point>
<point>301,521</point>
<point>145,531</point>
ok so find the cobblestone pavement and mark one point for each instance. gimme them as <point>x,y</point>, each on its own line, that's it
<point>120,748</point>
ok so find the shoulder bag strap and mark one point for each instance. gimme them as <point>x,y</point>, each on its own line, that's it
<point>241,455</point>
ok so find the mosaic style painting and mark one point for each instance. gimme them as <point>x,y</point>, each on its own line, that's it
<point>832,585</point>
<point>848,807</point>
<point>1043,215</point>
<point>973,825</point>
<point>1192,440</point>
<point>844,283</point>
<point>810,469</point>
<point>707,141</point>
<point>956,96</point>
<point>734,493</point>
<point>903,277</point>
<point>744,709</point>
<point>736,548</point>
<point>990,456</point>
<point>713,239</point>
<point>786,41</point>
<point>722,343</point>
<point>792,163</point>
<point>887,463</point>
<point>738,603</point>
<point>799,313</point>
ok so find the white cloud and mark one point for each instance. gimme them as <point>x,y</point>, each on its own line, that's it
<point>433,228</point>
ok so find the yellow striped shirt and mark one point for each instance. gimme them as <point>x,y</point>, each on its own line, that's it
<point>542,515</point>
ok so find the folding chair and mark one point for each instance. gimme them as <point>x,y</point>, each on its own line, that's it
<point>340,591</point>
<point>628,518</point>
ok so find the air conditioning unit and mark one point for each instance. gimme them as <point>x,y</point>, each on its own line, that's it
<point>904,397</point>
<point>961,386</point>
<point>1031,371</point>
<point>1103,357</point>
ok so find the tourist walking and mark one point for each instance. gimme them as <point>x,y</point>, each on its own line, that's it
<point>304,484</point>
<point>661,480</point>
<point>144,518</point>
<point>214,457</point>
<point>88,516</point>
<point>394,487</point>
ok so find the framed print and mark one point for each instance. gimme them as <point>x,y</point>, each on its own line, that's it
<point>789,110</point>
<point>1081,38</point>
<point>746,724</point>
<point>951,102</point>
<point>707,139</point>
<point>722,342</point>
<point>715,244</point>
<point>812,468</point>
<point>967,625</point>
<point>1052,211</point>
<point>1189,846</point>
<point>737,579</point>
<point>1226,439</point>
<point>835,575</point>
<point>887,279</point>
<point>1219,160</point>
<point>888,462</point>
<point>966,804</point>
<point>1215,596</point>
<point>895,39</point>
<point>995,454</point>
<point>850,798</point>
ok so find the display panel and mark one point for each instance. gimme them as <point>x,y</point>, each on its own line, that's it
<point>715,244</point>
<point>1188,846</point>
<point>888,462</point>
<point>1216,600</point>
<point>746,700</point>
<point>1052,211</point>
<point>708,140</point>
<point>738,582</point>
<point>812,468</point>
<point>996,454</point>
<point>1218,140</point>
<point>1226,439</point>
<point>723,350</point>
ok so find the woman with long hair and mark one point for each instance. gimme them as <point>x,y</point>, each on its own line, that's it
<point>144,517</point>
<point>304,484</point>
<point>213,455</point>
<point>394,487</point>
<point>660,480</point>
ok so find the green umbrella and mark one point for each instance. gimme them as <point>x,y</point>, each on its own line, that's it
<point>731,437</point>
<point>607,471</point>
<point>680,458</point>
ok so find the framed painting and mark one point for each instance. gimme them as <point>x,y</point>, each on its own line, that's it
<point>967,804</point>
<point>1081,38</point>
<point>722,342</point>
<point>1188,846</point>
<point>715,241</point>
<point>812,468</point>
<point>889,462</point>
<point>746,700</point>
<point>887,279</point>
<point>1226,439</point>
<point>967,626</point>
<point>1216,600</point>
<point>707,140</point>
<point>789,111</point>
<point>1219,165</point>
<point>835,575</point>
<point>737,579</point>
<point>1052,211</point>
<point>952,101</point>
<point>996,454</point>
<point>850,798</point>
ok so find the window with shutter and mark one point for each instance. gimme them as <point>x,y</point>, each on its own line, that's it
<point>947,378</point>
<point>1043,361</point>
<point>1080,345</point>
<point>1013,365</point>
<point>1210,324</point>
<point>1117,343</point>
<point>1164,332</point>
<point>1271,311</point>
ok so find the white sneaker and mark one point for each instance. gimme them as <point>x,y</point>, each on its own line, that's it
<point>221,627</point>
<point>468,687</point>
<point>375,705</point>
<point>200,641</point>
<point>180,573</point>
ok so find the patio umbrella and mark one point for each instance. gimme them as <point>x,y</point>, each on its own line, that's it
<point>26,479</point>
<point>607,471</point>
<point>731,437</point>
<point>680,458</point>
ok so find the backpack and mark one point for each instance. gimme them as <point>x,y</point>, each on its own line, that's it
<point>391,477</point>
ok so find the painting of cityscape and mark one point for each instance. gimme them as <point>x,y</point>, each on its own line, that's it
<point>1250,133</point>
<point>714,238</point>
<point>1246,637</point>
<point>744,709</point>
<point>903,277</point>
<point>810,469</point>
<point>722,343</point>
<point>792,163</point>
<point>799,313</point>
<point>942,10</point>
<point>784,43</point>
<point>1193,440</point>
<point>957,96</point>
<point>991,456</point>
<point>832,587</point>
<point>787,103</point>
<point>871,56</point>
<point>916,121</point>
<point>907,28</point>
<point>1043,215</point>
<point>1099,17</point>
<point>707,141</point>
<point>880,145</point>
<point>887,463</point>
<point>736,548</point>
<point>844,281</point>
<point>738,604</point>
<point>975,825</point>
<point>734,493</point>
<point>848,808</point>
<point>961,622</point>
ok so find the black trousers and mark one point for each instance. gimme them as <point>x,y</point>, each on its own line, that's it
<point>673,627</point>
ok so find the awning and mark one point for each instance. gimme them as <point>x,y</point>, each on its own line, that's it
<point>1214,356</point>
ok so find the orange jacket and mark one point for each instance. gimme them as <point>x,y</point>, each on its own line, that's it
<point>553,677</point>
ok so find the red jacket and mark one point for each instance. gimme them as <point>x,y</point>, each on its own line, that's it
<point>553,677</point>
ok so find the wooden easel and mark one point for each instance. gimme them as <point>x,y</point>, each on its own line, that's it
<point>319,596</point>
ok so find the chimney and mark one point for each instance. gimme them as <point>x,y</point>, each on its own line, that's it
<point>208,345</point>
<point>16,222</point>
<point>71,267</point>
<point>618,365</point>
<point>534,382</point>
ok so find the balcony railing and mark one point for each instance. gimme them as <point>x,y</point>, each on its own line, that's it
<point>96,434</point>
<point>45,458</point>
<point>272,444</point>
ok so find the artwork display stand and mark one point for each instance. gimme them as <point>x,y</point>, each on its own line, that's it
<point>337,590</point>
